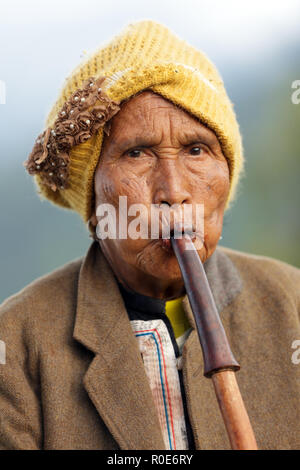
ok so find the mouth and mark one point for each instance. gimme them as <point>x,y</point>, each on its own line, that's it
<point>178,233</point>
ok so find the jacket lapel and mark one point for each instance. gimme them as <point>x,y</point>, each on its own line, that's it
<point>115,380</point>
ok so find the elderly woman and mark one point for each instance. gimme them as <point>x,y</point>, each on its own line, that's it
<point>146,117</point>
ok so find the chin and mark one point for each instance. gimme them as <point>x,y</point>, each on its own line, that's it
<point>161,264</point>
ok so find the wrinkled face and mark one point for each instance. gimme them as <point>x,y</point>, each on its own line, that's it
<point>157,153</point>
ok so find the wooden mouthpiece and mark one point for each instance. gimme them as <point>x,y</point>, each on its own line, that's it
<point>217,354</point>
<point>234,413</point>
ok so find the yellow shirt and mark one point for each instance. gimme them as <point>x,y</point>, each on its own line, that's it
<point>177,316</point>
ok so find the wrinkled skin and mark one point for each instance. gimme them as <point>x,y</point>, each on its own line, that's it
<point>176,160</point>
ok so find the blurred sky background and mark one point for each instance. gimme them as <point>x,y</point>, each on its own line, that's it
<point>256,47</point>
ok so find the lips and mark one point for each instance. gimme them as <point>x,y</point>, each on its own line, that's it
<point>166,242</point>
<point>176,229</point>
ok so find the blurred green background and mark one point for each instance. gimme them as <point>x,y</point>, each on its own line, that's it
<point>257,51</point>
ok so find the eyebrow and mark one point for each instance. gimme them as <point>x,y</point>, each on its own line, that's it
<point>138,140</point>
<point>187,138</point>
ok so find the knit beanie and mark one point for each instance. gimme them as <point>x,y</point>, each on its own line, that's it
<point>144,55</point>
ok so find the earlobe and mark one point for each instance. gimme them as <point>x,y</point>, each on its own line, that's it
<point>93,219</point>
<point>92,224</point>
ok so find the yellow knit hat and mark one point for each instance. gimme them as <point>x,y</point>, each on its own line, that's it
<point>145,55</point>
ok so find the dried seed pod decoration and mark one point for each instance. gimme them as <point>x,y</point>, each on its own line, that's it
<point>82,115</point>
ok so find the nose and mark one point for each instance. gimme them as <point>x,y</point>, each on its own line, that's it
<point>171,184</point>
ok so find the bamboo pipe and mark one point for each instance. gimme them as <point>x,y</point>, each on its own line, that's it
<point>219,362</point>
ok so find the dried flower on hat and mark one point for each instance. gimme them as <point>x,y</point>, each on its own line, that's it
<point>77,121</point>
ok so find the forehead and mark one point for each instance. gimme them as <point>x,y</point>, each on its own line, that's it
<point>146,112</point>
<point>147,104</point>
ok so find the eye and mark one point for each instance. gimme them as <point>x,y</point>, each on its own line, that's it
<point>196,150</point>
<point>134,153</point>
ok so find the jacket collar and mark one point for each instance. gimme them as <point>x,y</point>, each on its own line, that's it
<point>116,380</point>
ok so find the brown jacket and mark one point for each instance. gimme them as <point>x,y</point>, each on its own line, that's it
<point>74,377</point>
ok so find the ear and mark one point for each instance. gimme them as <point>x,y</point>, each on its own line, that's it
<point>92,224</point>
<point>93,219</point>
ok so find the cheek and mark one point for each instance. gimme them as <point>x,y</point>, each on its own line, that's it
<point>105,190</point>
<point>105,186</point>
<point>136,188</point>
<point>211,185</point>
<point>211,188</point>
<point>112,182</point>
<point>218,186</point>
